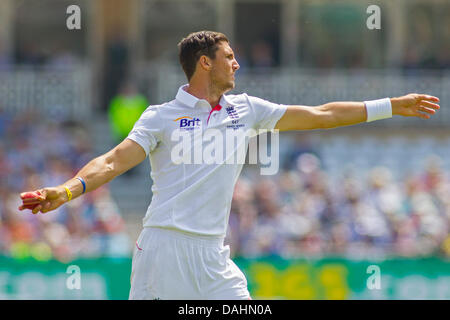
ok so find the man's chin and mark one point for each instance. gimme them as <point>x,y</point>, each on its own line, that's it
<point>230,86</point>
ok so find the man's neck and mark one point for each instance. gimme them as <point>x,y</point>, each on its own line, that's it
<point>208,93</point>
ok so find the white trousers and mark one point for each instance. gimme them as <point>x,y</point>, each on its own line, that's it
<point>169,264</point>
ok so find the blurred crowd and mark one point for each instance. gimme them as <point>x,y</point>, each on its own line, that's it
<point>37,152</point>
<point>33,56</point>
<point>300,212</point>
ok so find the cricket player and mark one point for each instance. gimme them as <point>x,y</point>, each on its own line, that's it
<point>180,252</point>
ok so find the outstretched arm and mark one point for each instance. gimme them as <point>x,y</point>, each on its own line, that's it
<point>97,172</point>
<point>339,114</point>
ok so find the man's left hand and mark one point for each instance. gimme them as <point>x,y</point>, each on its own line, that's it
<point>415,105</point>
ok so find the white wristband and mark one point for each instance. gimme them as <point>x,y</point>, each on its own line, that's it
<point>378,109</point>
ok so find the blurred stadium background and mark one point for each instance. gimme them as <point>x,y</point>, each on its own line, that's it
<point>343,200</point>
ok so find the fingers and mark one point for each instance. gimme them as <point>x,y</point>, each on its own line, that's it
<point>45,207</point>
<point>423,115</point>
<point>36,209</point>
<point>430,105</point>
<point>426,105</point>
<point>31,201</point>
<point>427,110</point>
<point>32,197</point>
<point>43,192</point>
<point>27,206</point>
<point>428,97</point>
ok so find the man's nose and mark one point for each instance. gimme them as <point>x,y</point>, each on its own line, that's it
<point>236,65</point>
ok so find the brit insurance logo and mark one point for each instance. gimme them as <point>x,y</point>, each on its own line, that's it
<point>188,123</point>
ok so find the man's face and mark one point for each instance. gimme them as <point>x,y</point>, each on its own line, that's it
<point>224,67</point>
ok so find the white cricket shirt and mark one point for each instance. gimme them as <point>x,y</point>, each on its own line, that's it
<point>196,197</point>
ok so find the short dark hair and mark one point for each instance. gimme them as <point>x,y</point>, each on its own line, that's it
<point>195,45</point>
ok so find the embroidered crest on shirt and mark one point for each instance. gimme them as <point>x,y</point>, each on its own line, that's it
<point>232,113</point>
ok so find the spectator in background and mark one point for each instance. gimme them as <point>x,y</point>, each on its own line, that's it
<point>261,55</point>
<point>125,109</point>
<point>241,56</point>
<point>30,54</point>
<point>243,215</point>
<point>411,60</point>
<point>325,59</point>
<point>62,59</point>
<point>117,54</point>
<point>443,56</point>
<point>5,59</point>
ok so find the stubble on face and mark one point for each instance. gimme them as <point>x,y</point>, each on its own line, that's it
<point>222,73</point>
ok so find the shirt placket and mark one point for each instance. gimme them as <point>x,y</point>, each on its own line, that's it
<point>213,114</point>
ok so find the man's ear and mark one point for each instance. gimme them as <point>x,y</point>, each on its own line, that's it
<point>205,63</point>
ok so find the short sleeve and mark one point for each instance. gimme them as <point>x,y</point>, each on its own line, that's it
<point>147,130</point>
<point>266,113</point>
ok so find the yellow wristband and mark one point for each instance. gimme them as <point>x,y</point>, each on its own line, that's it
<point>69,194</point>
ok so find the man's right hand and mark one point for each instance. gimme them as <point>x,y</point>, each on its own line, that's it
<point>52,199</point>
